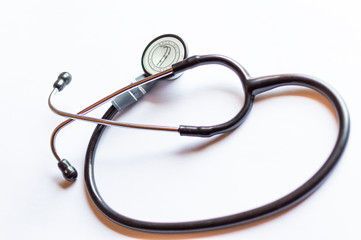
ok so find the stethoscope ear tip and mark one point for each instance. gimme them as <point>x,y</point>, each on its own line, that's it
<point>69,172</point>
<point>64,79</point>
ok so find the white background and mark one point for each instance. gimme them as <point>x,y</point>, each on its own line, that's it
<point>160,176</point>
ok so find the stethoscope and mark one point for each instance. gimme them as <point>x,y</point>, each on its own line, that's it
<point>166,58</point>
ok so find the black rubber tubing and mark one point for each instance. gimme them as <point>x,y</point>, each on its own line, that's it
<point>253,87</point>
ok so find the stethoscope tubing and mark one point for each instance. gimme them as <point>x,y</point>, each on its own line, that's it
<point>252,87</point>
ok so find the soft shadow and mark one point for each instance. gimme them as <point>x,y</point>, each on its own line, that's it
<point>63,183</point>
<point>298,92</point>
<point>200,147</point>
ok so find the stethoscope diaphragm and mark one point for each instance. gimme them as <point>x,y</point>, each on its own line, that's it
<point>162,52</point>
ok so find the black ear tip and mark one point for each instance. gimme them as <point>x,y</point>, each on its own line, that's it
<point>69,172</point>
<point>65,76</point>
<point>64,79</point>
<point>71,175</point>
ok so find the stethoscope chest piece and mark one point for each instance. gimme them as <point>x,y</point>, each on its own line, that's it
<point>162,52</point>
